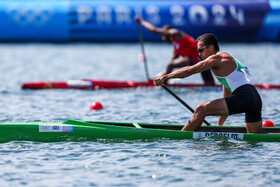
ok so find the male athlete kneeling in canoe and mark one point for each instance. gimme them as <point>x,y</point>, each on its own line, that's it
<point>240,96</point>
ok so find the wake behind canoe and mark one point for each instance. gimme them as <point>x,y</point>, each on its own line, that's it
<point>74,130</point>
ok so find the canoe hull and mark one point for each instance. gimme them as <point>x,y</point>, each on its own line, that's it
<point>73,130</point>
<point>102,84</point>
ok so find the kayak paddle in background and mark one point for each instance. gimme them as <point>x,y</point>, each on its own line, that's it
<point>143,57</point>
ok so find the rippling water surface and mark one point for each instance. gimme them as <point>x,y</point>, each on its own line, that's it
<point>211,161</point>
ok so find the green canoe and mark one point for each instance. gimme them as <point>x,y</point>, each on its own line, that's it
<point>74,130</point>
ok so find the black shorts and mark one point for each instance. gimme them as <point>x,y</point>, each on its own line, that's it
<point>245,99</point>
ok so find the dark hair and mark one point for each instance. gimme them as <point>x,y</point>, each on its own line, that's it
<point>209,39</point>
<point>167,38</point>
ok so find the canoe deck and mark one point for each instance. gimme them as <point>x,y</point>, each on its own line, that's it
<point>179,127</point>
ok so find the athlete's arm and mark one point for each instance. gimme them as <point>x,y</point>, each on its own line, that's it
<point>150,27</point>
<point>222,119</point>
<point>174,56</point>
<point>180,62</point>
<point>206,64</point>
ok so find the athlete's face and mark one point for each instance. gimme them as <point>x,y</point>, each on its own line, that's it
<point>203,50</point>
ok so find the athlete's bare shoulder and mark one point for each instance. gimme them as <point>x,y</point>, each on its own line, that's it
<point>225,56</point>
<point>224,64</point>
<point>215,57</point>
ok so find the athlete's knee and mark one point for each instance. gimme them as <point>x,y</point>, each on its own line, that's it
<point>200,110</point>
<point>255,127</point>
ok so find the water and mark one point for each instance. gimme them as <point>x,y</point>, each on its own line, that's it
<point>210,161</point>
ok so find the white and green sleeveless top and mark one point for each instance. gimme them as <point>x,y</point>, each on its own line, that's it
<point>237,78</point>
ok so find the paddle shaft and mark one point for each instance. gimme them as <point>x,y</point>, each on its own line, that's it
<point>143,51</point>
<point>181,101</point>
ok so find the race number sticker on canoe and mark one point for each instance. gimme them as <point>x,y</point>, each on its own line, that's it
<point>55,128</point>
<point>207,134</point>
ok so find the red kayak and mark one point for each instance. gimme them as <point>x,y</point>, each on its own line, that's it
<point>102,84</point>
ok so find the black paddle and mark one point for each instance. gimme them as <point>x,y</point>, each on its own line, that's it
<point>181,101</point>
<point>143,52</point>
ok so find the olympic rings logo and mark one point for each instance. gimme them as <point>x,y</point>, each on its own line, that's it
<point>29,14</point>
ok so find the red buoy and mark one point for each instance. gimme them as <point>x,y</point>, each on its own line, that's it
<point>96,106</point>
<point>267,123</point>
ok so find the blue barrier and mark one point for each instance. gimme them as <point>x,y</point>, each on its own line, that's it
<point>113,20</point>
